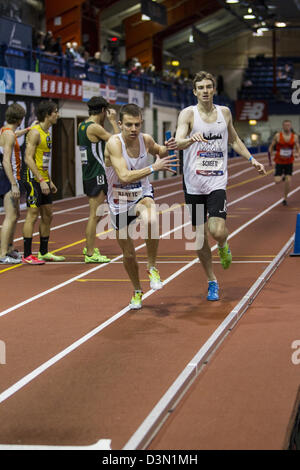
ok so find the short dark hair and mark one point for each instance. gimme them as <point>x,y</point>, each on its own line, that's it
<point>202,76</point>
<point>44,109</point>
<point>14,113</point>
<point>131,109</point>
<point>96,105</point>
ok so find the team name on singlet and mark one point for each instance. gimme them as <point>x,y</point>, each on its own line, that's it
<point>209,163</point>
<point>123,193</point>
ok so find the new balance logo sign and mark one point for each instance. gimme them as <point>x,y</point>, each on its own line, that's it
<point>246,110</point>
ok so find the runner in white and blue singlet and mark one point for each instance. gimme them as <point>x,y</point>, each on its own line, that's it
<point>203,133</point>
<point>130,193</point>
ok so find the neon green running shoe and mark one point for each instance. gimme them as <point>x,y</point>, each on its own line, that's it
<point>104,258</point>
<point>96,258</point>
<point>155,282</point>
<point>225,256</point>
<point>50,257</point>
<point>136,300</point>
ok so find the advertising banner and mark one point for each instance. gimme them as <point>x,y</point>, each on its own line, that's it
<point>8,77</point>
<point>90,89</point>
<point>109,92</point>
<point>247,109</point>
<point>136,97</point>
<point>28,83</point>
<point>15,34</point>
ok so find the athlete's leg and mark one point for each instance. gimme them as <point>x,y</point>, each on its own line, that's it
<point>218,230</point>
<point>11,207</point>
<point>146,210</point>
<point>129,257</point>
<point>94,203</point>
<point>46,219</point>
<point>30,219</point>
<point>204,253</point>
<point>287,186</point>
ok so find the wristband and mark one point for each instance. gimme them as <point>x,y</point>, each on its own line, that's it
<point>151,168</point>
<point>251,158</point>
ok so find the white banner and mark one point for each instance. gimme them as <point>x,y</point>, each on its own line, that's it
<point>136,97</point>
<point>27,83</point>
<point>90,89</point>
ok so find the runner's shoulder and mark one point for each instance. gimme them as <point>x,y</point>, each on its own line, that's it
<point>225,110</point>
<point>187,113</point>
<point>114,140</point>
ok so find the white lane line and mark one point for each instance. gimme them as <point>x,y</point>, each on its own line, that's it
<point>87,205</point>
<point>159,414</point>
<point>39,370</point>
<point>21,304</point>
<point>56,227</point>
<point>157,261</point>
<point>102,444</point>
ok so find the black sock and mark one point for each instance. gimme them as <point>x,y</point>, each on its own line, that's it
<point>44,245</point>
<point>27,247</point>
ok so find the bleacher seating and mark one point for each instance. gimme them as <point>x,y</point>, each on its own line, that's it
<point>258,79</point>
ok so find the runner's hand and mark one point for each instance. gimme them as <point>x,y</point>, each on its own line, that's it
<point>171,144</point>
<point>259,167</point>
<point>111,114</point>
<point>15,191</point>
<point>166,163</point>
<point>53,187</point>
<point>44,187</point>
<point>198,137</point>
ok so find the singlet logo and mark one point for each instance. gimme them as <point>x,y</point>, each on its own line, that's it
<point>49,143</point>
<point>211,136</point>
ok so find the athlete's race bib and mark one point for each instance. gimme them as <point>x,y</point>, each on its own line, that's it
<point>285,153</point>
<point>209,163</point>
<point>46,160</point>
<point>83,155</point>
<point>126,193</point>
<point>100,180</point>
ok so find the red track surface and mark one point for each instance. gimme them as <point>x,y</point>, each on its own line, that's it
<point>106,387</point>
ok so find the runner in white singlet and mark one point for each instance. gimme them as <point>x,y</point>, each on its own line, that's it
<point>130,194</point>
<point>203,133</point>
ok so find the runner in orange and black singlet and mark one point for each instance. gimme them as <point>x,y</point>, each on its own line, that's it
<point>284,148</point>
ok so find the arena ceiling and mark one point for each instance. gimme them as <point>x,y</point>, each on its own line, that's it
<point>226,22</point>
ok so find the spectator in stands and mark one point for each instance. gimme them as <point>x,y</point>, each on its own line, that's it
<point>96,60</point>
<point>150,70</point>
<point>68,52</point>
<point>247,83</point>
<point>47,41</point>
<point>281,75</point>
<point>57,47</point>
<point>38,38</point>
<point>288,70</point>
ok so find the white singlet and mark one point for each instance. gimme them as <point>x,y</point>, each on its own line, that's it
<point>205,163</point>
<point>122,196</point>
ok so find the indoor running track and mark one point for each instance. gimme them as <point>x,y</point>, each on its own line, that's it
<point>80,368</point>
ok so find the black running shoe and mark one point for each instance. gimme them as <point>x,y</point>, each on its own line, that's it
<point>284,203</point>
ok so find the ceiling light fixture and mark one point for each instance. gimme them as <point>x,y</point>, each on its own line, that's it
<point>249,16</point>
<point>280,24</point>
<point>145,18</point>
<point>232,1</point>
<point>191,38</point>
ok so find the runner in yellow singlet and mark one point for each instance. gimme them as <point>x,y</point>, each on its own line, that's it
<point>39,185</point>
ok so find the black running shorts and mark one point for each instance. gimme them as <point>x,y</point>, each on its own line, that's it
<point>283,169</point>
<point>94,186</point>
<point>34,195</point>
<point>202,205</point>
